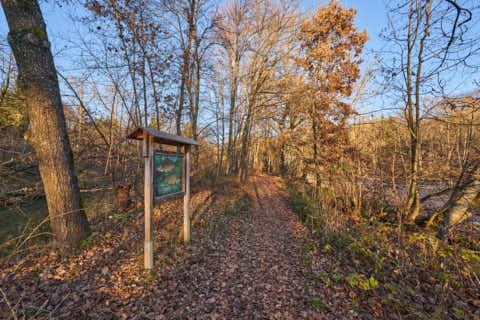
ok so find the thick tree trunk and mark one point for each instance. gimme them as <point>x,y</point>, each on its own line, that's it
<point>462,200</point>
<point>185,70</point>
<point>48,134</point>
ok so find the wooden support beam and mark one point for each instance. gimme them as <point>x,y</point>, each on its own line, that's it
<point>186,197</point>
<point>148,198</point>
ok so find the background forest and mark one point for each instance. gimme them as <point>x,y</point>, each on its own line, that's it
<point>379,149</point>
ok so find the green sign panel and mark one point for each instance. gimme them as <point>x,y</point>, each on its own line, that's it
<point>167,178</point>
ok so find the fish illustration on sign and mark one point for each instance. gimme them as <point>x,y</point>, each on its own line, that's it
<point>168,174</point>
<point>166,166</point>
<point>172,179</point>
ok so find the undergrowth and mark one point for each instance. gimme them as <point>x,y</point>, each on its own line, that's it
<point>419,278</point>
<point>241,206</point>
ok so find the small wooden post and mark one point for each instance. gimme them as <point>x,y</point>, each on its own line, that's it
<point>186,197</point>
<point>148,198</point>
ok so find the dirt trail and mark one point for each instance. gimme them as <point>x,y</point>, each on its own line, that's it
<point>258,272</point>
<point>246,266</point>
<point>262,276</point>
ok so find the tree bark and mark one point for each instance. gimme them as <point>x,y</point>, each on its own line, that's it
<point>221,141</point>
<point>462,199</point>
<point>233,97</point>
<point>413,203</point>
<point>185,67</point>
<point>194,118</point>
<point>47,134</point>
<point>243,165</point>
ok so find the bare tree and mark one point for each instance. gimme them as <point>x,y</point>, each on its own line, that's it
<point>430,39</point>
<point>232,32</point>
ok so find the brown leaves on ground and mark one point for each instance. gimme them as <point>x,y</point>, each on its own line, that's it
<point>243,265</point>
<point>250,258</point>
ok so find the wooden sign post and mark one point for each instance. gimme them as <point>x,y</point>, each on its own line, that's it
<point>167,176</point>
<point>186,197</point>
<point>148,200</point>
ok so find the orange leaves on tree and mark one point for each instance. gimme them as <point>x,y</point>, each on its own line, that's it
<point>329,55</point>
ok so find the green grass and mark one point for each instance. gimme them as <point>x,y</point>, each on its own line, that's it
<point>300,204</point>
<point>21,220</point>
<point>368,260</point>
<point>240,207</point>
<point>317,303</point>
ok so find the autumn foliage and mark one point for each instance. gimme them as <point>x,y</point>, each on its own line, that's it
<point>323,187</point>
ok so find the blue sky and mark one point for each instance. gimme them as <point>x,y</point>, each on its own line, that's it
<point>371,15</point>
<point>60,29</point>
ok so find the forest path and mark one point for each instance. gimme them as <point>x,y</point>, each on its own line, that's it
<point>257,270</point>
<point>239,265</point>
<point>262,276</point>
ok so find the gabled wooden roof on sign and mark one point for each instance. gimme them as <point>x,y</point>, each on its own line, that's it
<point>161,137</point>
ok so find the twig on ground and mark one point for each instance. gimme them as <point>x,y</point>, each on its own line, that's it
<point>12,310</point>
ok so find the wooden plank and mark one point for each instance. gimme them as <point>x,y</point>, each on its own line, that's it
<point>148,198</point>
<point>183,174</point>
<point>168,153</point>
<point>186,197</point>
<point>161,137</point>
<point>169,196</point>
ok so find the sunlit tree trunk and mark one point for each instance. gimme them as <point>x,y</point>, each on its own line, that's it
<point>195,104</point>
<point>233,97</point>
<point>185,67</point>
<point>48,134</point>
<point>243,165</point>
<point>463,198</point>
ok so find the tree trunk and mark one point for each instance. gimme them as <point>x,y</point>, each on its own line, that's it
<point>185,70</point>
<point>196,102</point>
<point>221,136</point>
<point>462,199</point>
<point>178,120</point>
<point>413,203</point>
<point>243,163</point>
<point>47,134</point>
<point>281,126</point>
<point>315,139</point>
<point>233,97</point>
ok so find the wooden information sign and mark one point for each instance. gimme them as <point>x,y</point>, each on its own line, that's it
<point>167,176</point>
